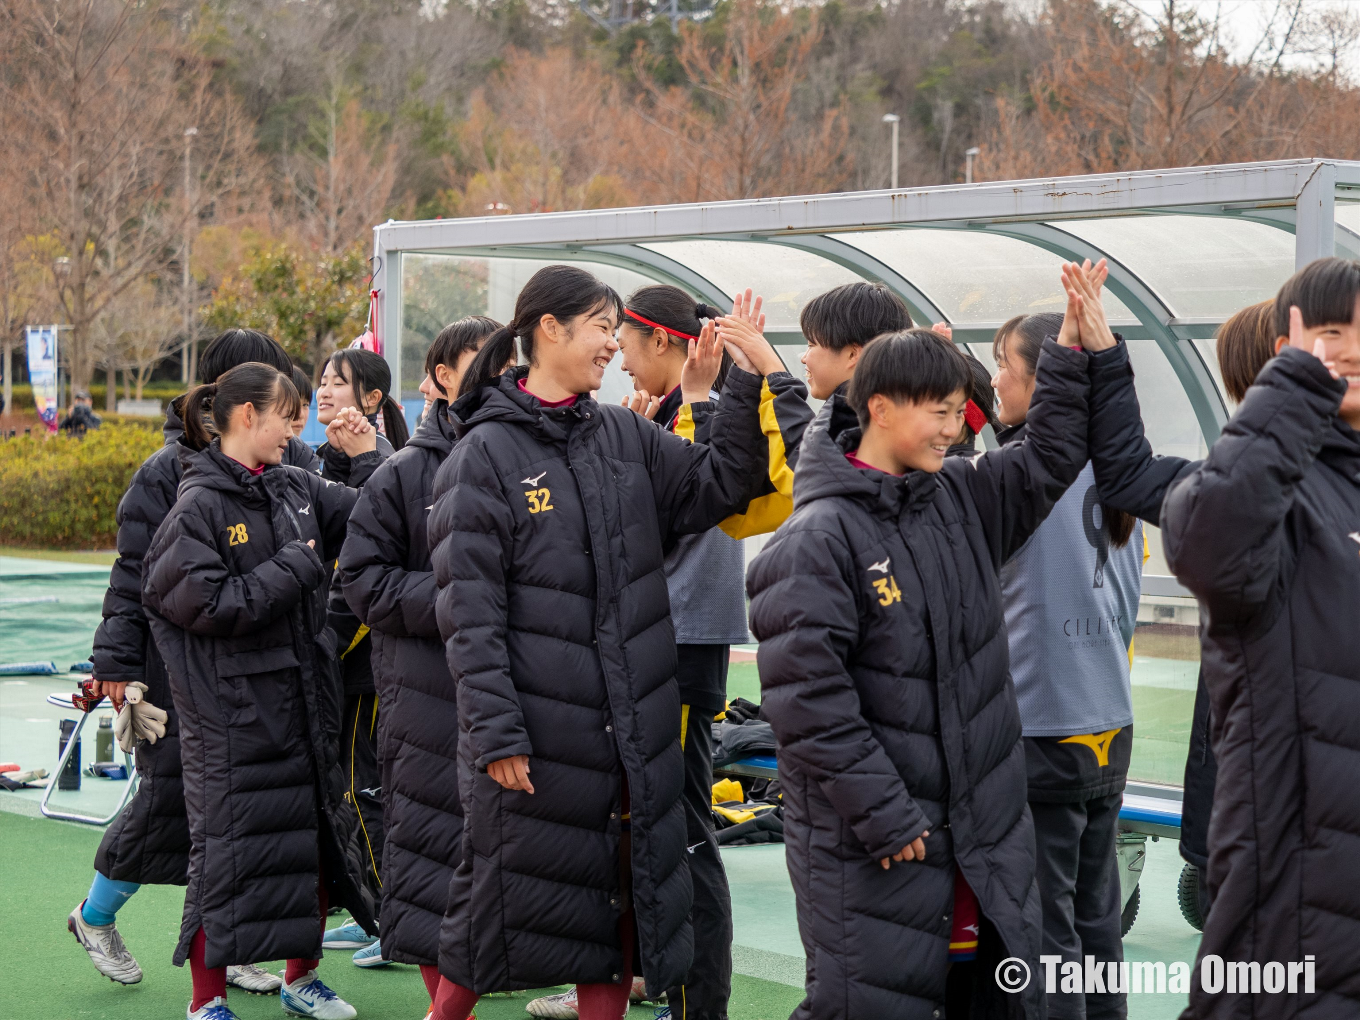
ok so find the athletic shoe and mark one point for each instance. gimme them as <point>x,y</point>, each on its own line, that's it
<point>561,1006</point>
<point>307,996</point>
<point>105,946</point>
<point>371,957</point>
<point>638,993</point>
<point>215,1009</point>
<point>254,979</point>
<point>347,936</point>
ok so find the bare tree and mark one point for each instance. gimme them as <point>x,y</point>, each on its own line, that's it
<point>100,94</point>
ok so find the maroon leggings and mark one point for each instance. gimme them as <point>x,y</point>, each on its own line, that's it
<point>211,982</point>
<point>594,1002</point>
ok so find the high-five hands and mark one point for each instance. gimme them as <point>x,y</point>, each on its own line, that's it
<point>1084,323</point>
<point>702,366</point>
<point>743,335</point>
<point>913,851</point>
<point>512,773</point>
<point>351,433</point>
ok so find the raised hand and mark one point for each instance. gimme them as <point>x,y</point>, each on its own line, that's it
<point>1296,339</point>
<point>747,307</point>
<point>1094,330</point>
<point>644,403</point>
<point>702,366</point>
<point>512,773</point>
<point>1069,335</point>
<point>744,338</point>
<point>944,329</point>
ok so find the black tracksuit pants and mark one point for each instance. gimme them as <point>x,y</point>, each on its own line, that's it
<point>359,760</point>
<point>702,673</point>
<point>1075,795</point>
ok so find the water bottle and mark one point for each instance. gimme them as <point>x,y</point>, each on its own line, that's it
<point>70,775</point>
<point>103,738</point>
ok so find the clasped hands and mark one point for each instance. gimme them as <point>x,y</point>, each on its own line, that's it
<point>352,433</point>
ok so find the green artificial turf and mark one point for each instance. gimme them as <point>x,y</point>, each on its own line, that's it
<point>47,872</point>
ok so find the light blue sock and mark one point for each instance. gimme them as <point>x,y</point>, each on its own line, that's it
<point>106,896</point>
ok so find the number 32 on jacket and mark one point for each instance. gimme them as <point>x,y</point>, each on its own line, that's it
<point>538,500</point>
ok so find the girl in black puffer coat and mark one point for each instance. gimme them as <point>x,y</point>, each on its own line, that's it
<point>358,383</point>
<point>234,589</point>
<point>883,664</point>
<point>148,843</point>
<point>387,578</point>
<point>548,536</point>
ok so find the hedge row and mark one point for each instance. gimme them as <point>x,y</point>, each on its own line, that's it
<point>61,493</point>
<point>159,389</point>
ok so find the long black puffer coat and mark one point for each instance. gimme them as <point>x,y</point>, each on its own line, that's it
<point>236,601</point>
<point>386,576</point>
<point>149,842</point>
<point>548,535</point>
<point>884,672</point>
<point>1266,533</point>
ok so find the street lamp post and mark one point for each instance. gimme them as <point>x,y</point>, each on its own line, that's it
<point>187,368</point>
<point>893,119</point>
<point>972,154</point>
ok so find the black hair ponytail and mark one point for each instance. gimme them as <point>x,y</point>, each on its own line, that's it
<point>365,372</point>
<point>675,312</point>
<point>263,386</point>
<point>564,292</point>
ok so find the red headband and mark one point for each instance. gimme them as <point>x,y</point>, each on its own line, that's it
<point>974,416</point>
<point>656,325</point>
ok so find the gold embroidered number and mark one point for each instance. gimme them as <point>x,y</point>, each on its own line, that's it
<point>887,589</point>
<point>236,534</point>
<point>538,500</point>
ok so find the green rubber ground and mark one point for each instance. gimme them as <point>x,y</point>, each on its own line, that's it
<point>47,872</point>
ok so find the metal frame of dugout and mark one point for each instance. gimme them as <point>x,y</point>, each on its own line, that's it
<point>1186,248</point>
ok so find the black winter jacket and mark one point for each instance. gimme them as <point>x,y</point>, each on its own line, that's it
<point>1266,533</point>
<point>386,577</point>
<point>548,535</point>
<point>149,842</point>
<point>884,669</point>
<point>351,635</point>
<point>236,601</point>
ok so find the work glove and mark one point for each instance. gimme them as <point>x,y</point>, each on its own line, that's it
<point>139,720</point>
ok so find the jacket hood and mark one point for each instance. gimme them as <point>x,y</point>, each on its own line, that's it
<point>210,468</point>
<point>823,470</point>
<point>435,431</point>
<point>503,400</point>
<point>174,420</point>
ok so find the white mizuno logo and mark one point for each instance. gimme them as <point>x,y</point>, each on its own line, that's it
<point>534,480</point>
<point>306,510</point>
<point>430,507</point>
<point>971,927</point>
<point>1354,536</point>
<point>881,566</point>
<point>696,846</point>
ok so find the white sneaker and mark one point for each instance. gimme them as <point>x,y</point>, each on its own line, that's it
<point>562,1006</point>
<point>308,996</point>
<point>254,979</point>
<point>638,993</point>
<point>216,1009</point>
<point>105,946</point>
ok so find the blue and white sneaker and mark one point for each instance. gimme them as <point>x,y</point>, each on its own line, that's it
<point>215,1009</point>
<point>307,996</point>
<point>371,957</point>
<point>347,936</point>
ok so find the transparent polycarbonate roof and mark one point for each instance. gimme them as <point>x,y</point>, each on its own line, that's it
<point>975,277</point>
<point>1187,248</point>
<point>786,278</point>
